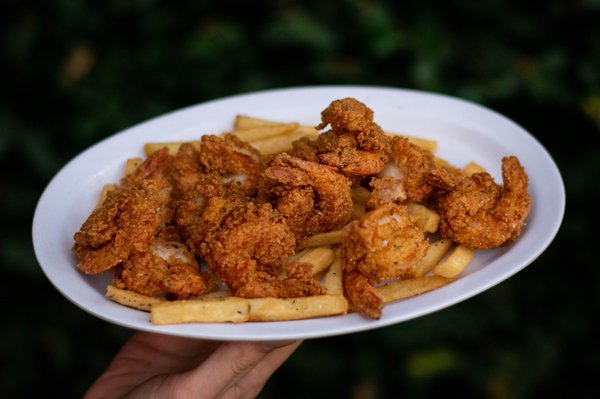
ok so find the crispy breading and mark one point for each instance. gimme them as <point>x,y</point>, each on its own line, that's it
<point>479,213</point>
<point>383,244</point>
<point>127,221</point>
<point>314,197</point>
<point>249,251</point>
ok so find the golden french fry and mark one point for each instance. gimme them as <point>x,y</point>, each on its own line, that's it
<point>428,145</point>
<point>436,251</point>
<point>297,255</point>
<point>323,239</point>
<point>360,194</point>
<point>307,130</point>
<point>150,148</point>
<point>455,263</point>
<point>131,165</point>
<point>333,278</point>
<point>278,309</point>
<point>105,189</point>
<point>131,299</point>
<point>219,294</point>
<point>248,122</point>
<point>216,310</point>
<point>320,258</point>
<point>472,168</point>
<point>426,219</point>
<point>264,132</point>
<point>277,144</point>
<point>403,289</point>
<point>358,210</point>
<point>443,163</point>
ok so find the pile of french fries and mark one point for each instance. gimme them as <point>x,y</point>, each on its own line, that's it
<point>442,264</point>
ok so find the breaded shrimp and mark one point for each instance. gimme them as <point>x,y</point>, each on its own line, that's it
<point>415,170</point>
<point>167,269</point>
<point>479,213</point>
<point>128,219</point>
<point>312,197</point>
<point>237,163</point>
<point>249,250</point>
<point>185,170</point>
<point>155,165</point>
<point>347,114</point>
<point>192,190</point>
<point>355,144</point>
<point>383,244</point>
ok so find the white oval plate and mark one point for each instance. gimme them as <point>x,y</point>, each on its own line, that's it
<point>465,132</point>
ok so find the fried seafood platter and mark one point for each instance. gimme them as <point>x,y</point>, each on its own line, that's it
<point>276,221</point>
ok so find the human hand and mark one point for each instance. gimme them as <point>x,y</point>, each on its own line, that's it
<point>161,366</point>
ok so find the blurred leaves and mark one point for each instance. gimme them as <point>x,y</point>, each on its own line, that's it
<point>431,362</point>
<point>76,72</point>
<point>591,107</point>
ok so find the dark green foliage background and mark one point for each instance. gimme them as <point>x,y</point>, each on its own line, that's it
<point>74,72</point>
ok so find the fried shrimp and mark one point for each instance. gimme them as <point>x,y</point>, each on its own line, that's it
<point>192,190</point>
<point>355,144</point>
<point>312,197</point>
<point>479,213</point>
<point>249,250</point>
<point>383,244</point>
<point>128,219</point>
<point>167,269</point>
<point>346,114</point>
<point>237,163</point>
<point>415,172</point>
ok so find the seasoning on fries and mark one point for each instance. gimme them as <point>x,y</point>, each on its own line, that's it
<point>278,221</point>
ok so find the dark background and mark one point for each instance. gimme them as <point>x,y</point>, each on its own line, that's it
<point>74,72</point>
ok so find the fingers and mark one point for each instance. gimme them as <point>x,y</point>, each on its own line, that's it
<point>250,384</point>
<point>236,369</point>
<point>146,355</point>
<point>154,366</point>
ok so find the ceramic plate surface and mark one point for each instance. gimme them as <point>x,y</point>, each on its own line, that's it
<point>465,132</point>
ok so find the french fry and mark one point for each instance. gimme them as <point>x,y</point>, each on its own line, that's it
<point>150,148</point>
<point>104,192</point>
<point>219,294</point>
<point>264,132</point>
<point>435,253</point>
<point>294,258</point>
<point>472,168</point>
<point>426,219</point>
<point>333,278</point>
<point>403,289</point>
<point>216,310</point>
<point>442,163</point>
<point>277,144</point>
<point>455,263</point>
<point>323,239</point>
<point>248,122</point>
<point>278,309</point>
<point>426,144</point>
<point>360,194</point>
<point>320,258</point>
<point>131,165</point>
<point>358,210</point>
<point>131,299</point>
